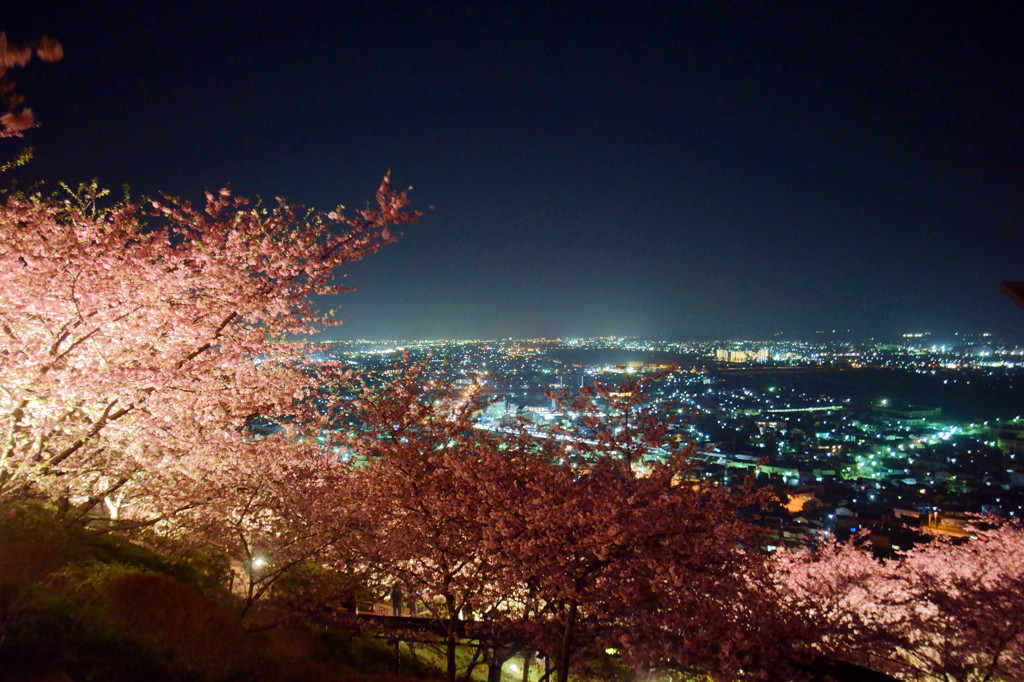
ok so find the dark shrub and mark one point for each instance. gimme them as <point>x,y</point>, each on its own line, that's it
<point>177,622</point>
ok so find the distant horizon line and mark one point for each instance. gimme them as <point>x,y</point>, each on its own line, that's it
<point>844,336</point>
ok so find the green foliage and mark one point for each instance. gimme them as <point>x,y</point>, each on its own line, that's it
<point>19,160</point>
<point>37,521</point>
<point>41,522</point>
<point>114,549</point>
<point>311,585</point>
<point>359,657</point>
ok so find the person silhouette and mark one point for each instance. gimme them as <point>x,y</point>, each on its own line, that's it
<point>396,600</point>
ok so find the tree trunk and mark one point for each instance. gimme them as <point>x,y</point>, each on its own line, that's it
<point>450,642</point>
<point>494,670</point>
<point>566,649</point>
<point>250,597</point>
<point>527,662</point>
<point>499,654</point>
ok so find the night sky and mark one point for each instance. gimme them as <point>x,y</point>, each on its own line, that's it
<point>681,170</point>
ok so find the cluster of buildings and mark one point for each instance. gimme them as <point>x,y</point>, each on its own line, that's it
<point>894,440</point>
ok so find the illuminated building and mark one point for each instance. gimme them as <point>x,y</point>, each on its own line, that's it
<point>741,356</point>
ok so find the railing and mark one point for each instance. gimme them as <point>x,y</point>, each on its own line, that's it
<point>385,608</point>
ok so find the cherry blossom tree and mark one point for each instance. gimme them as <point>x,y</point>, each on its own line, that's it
<point>832,601</point>
<point>417,494</point>
<point>547,541</point>
<point>137,346</point>
<point>278,510</point>
<point>947,610</point>
<point>17,116</point>
<point>618,541</point>
<point>965,607</point>
<point>150,369</point>
<point>624,424</point>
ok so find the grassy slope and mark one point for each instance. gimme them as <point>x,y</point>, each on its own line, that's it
<point>96,607</point>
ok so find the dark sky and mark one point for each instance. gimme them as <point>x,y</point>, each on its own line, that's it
<point>643,168</point>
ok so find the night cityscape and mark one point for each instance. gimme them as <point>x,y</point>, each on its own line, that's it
<point>845,432</point>
<point>654,341</point>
